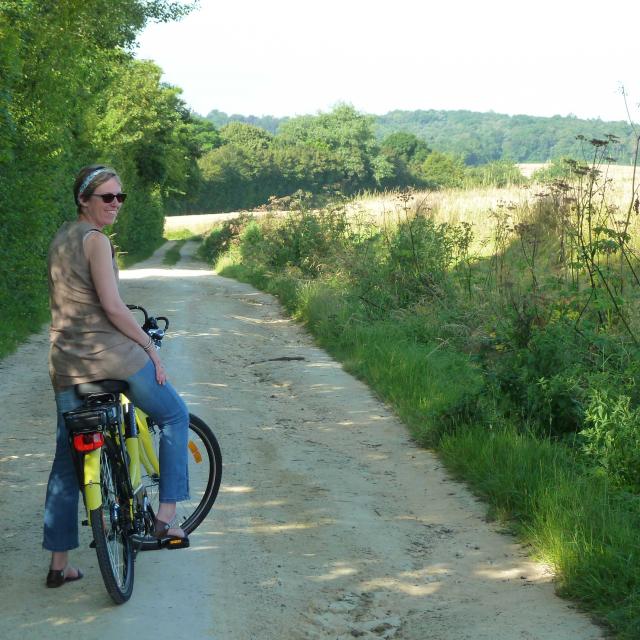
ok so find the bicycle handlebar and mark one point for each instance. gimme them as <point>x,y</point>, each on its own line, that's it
<point>150,325</point>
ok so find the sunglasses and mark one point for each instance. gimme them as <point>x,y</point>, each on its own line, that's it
<point>108,197</point>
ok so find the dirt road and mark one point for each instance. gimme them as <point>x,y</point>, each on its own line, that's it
<point>331,523</point>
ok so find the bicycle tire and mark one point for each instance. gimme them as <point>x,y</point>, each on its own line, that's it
<point>205,475</point>
<point>111,531</point>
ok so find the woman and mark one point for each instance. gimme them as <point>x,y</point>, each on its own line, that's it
<point>94,336</point>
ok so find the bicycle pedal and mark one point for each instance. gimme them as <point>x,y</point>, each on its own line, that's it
<point>175,543</point>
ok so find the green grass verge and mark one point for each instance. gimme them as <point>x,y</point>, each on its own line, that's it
<point>127,260</point>
<point>567,513</point>
<point>172,256</point>
<point>182,234</point>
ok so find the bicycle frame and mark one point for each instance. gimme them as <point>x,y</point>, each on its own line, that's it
<point>139,456</point>
<point>147,454</point>
<point>91,480</point>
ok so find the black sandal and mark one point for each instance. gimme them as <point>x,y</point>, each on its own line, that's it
<point>56,577</point>
<point>167,541</point>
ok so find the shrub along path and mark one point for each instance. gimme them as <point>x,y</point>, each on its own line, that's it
<point>330,523</point>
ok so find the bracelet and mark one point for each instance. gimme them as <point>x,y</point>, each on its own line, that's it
<point>147,347</point>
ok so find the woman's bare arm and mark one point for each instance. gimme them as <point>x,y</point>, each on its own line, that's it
<point>97,248</point>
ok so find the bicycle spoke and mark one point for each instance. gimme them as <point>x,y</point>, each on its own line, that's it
<point>114,548</point>
<point>110,531</point>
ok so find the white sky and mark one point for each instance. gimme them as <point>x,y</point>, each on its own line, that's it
<point>292,57</point>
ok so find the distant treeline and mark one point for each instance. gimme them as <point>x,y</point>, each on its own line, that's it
<point>256,158</point>
<point>486,137</point>
<point>335,151</point>
<point>479,138</point>
<point>269,123</point>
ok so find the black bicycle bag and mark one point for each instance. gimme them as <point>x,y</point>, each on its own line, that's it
<point>92,419</point>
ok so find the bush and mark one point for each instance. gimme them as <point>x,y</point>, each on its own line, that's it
<point>221,238</point>
<point>250,239</point>
<point>419,256</point>
<point>500,173</point>
<point>612,437</point>
<point>306,239</point>
<point>558,170</point>
<point>547,378</point>
<point>442,170</point>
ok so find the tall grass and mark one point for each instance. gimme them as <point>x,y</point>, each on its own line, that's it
<point>172,255</point>
<point>405,372</point>
<point>477,206</point>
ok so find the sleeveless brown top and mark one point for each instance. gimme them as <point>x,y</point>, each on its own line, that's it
<point>85,346</point>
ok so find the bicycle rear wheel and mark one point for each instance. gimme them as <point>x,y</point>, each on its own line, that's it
<point>110,526</point>
<point>205,474</point>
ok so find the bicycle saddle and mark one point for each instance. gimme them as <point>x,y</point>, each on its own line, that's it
<point>101,386</point>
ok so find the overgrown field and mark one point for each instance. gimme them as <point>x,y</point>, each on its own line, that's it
<point>506,335</point>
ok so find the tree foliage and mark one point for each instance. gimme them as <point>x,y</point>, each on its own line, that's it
<point>351,151</point>
<point>70,94</point>
<point>269,123</point>
<point>336,150</point>
<point>480,138</point>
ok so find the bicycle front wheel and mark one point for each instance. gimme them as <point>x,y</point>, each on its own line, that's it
<point>205,474</point>
<point>110,526</point>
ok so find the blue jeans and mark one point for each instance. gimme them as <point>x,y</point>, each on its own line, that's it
<point>163,403</point>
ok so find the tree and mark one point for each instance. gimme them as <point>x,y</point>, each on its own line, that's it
<point>248,137</point>
<point>486,137</point>
<point>442,170</point>
<point>405,146</point>
<point>204,135</point>
<point>404,152</point>
<point>343,132</point>
<point>227,173</point>
<point>58,61</point>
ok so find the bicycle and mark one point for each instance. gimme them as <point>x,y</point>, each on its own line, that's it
<point>115,452</point>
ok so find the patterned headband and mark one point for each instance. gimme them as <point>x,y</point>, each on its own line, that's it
<point>89,179</point>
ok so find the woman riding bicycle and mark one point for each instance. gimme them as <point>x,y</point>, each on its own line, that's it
<point>94,336</point>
